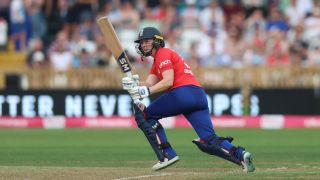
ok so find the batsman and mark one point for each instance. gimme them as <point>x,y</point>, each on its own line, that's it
<point>182,94</point>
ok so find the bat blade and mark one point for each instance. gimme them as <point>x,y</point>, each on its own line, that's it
<point>113,43</point>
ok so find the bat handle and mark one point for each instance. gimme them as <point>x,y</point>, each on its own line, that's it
<point>137,102</point>
<point>140,105</point>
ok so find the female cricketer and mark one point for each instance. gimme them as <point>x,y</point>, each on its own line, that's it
<point>182,94</point>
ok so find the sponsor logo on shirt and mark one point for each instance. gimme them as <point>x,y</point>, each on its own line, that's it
<point>164,63</point>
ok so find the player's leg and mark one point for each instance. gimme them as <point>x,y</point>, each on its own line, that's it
<point>192,102</point>
<point>169,153</point>
<point>218,146</point>
<point>149,132</point>
<point>162,138</point>
<point>204,129</point>
<point>163,107</point>
<point>209,141</point>
<point>172,103</point>
<point>157,138</point>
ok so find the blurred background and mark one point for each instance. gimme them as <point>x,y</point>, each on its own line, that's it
<point>254,57</point>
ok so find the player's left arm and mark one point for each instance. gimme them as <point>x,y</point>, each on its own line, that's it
<point>140,92</point>
<point>165,83</point>
<point>150,81</point>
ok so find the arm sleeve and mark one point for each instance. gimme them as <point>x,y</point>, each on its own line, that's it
<point>165,62</point>
<point>153,70</point>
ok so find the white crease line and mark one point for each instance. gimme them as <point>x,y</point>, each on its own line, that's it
<point>277,169</point>
<point>308,166</point>
<point>144,176</point>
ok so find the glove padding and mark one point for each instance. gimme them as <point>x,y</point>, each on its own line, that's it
<point>139,92</point>
<point>130,82</point>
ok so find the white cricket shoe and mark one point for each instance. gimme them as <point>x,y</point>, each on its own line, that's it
<point>163,164</point>
<point>247,164</point>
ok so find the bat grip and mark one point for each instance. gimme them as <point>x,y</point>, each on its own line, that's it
<point>137,102</point>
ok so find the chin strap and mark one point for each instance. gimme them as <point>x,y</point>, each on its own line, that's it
<point>146,54</point>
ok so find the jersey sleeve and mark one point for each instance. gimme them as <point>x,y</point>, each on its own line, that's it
<point>153,70</point>
<point>165,62</point>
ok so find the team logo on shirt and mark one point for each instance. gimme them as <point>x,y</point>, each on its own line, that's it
<point>164,63</point>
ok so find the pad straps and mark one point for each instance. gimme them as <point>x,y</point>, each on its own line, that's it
<point>165,145</point>
<point>219,140</point>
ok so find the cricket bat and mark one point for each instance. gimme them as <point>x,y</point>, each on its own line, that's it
<point>113,43</point>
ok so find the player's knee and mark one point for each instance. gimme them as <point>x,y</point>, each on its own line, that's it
<point>143,125</point>
<point>146,127</point>
<point>212,149</point>
<point>212,146</point>
<point>155,124</point>
<point>218,140</point>
<point>212,141</point>
<point>217,151</point>
<point>140,119</point>
<point>204,147</point>
<point>150,115</point>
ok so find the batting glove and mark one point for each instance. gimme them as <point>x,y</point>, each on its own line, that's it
<point>139,92</point>
<point>130,82</point>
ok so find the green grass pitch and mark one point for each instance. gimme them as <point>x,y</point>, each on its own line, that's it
<point>125,154</point>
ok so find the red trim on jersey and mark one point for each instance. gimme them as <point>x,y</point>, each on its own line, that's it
<point>166,59</point>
